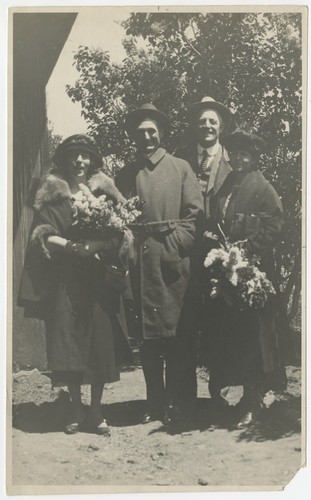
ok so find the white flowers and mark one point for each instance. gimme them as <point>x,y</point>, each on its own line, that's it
<point>92,213</point>
<point>237,280</point>
<point>217,254</point>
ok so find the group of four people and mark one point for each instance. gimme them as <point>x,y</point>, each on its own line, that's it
<point>210,181</point>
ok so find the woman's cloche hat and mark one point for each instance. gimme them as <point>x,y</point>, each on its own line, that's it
<point>245,140</point>
<point>210,103</point>
<point>148,110</point>
<point>78,142</point>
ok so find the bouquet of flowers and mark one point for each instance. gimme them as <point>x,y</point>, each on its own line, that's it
<point>236,279</point>
<point>99,217</point>
<point>99,213</point>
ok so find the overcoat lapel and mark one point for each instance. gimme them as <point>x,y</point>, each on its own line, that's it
<point>192,158</point>
<point>221,172</point>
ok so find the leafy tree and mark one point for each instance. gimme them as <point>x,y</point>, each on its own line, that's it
<point>251,62</point>
<point>53,141</point>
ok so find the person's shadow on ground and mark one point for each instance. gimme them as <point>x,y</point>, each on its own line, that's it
<point>281,419</point>
<point>53,416</point>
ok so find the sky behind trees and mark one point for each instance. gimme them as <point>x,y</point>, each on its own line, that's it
<point>97,28</point>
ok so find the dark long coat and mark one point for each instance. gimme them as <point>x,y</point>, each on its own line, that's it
<point>254,212</point>
<point>161,272</point>
<point>220,164</point>
<point>83,315</point>
<point>246,344</point>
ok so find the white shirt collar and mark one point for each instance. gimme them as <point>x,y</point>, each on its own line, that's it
<point>212,151</point>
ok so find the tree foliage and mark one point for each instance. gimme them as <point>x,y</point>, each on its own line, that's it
<point>251,62</point>
<point>53,141</point>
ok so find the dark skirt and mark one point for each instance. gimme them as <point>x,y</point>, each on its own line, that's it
<point>233,349</point>
<point>85,341</point>
<point>88,357</point>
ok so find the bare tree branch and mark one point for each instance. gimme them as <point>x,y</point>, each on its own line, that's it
<point>186,39</point>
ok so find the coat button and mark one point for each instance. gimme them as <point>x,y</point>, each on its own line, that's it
<point>155,309</point>
<point>145,247</point>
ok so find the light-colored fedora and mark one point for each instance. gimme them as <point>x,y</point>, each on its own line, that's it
<point>210,103</point>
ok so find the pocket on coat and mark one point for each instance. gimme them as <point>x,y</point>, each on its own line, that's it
<point>170,249</point>
<point>173,271</point>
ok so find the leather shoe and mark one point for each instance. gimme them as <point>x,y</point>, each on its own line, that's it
<point>246,420</point>
<point>72,428</point>
<point>78,420</point>
<point>171,415</point>
<point>150,417</point>
<point>147,418</point>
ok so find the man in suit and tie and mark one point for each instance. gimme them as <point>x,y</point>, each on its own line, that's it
<point>209,120</point>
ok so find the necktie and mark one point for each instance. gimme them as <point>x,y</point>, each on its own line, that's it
<point>204,162</point>
<point>203,175</point>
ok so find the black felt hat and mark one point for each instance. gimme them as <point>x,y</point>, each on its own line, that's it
<point>246,141</point>
<point>134,118</point>
<point>78,142</point>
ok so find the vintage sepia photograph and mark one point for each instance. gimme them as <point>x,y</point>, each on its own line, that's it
<point>156,236</point>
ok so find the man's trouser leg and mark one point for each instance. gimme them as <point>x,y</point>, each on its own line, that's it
<point>181,380</point>
<point>172,375</point>
<point>151,353</point>
<point>188,359</point>
<point>187,339</point>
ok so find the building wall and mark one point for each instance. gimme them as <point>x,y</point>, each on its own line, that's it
<point>29,346</point>
<point>38,39</point>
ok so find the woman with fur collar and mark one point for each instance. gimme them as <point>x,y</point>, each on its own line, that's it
<point>66,286</point>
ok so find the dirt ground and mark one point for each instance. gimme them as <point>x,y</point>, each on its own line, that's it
<point>206,451</point>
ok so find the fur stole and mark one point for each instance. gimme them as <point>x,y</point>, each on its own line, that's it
<point>54,188</point>
<point>39,235</point>
<point>101,182</point>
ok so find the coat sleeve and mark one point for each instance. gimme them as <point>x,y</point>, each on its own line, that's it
<point>38,274</point>
<point>52,219</point>
<point>271,223</point>
<point>191,209</point>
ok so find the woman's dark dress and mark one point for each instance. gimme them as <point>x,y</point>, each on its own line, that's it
<point>243,346</point>
<point>85,328</point>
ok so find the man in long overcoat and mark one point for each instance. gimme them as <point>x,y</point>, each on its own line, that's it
<point>160,269</point>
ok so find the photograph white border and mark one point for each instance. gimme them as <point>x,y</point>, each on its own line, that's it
<point>300,489</point>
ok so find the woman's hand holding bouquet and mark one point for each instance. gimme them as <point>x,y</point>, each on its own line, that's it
<point>235,278</point>
<point>209,236</point>
<point>103,222</point>
<point>89,248</point>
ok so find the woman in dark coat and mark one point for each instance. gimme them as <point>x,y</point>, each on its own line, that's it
<point>66,285</point>
<point>244,345</point>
